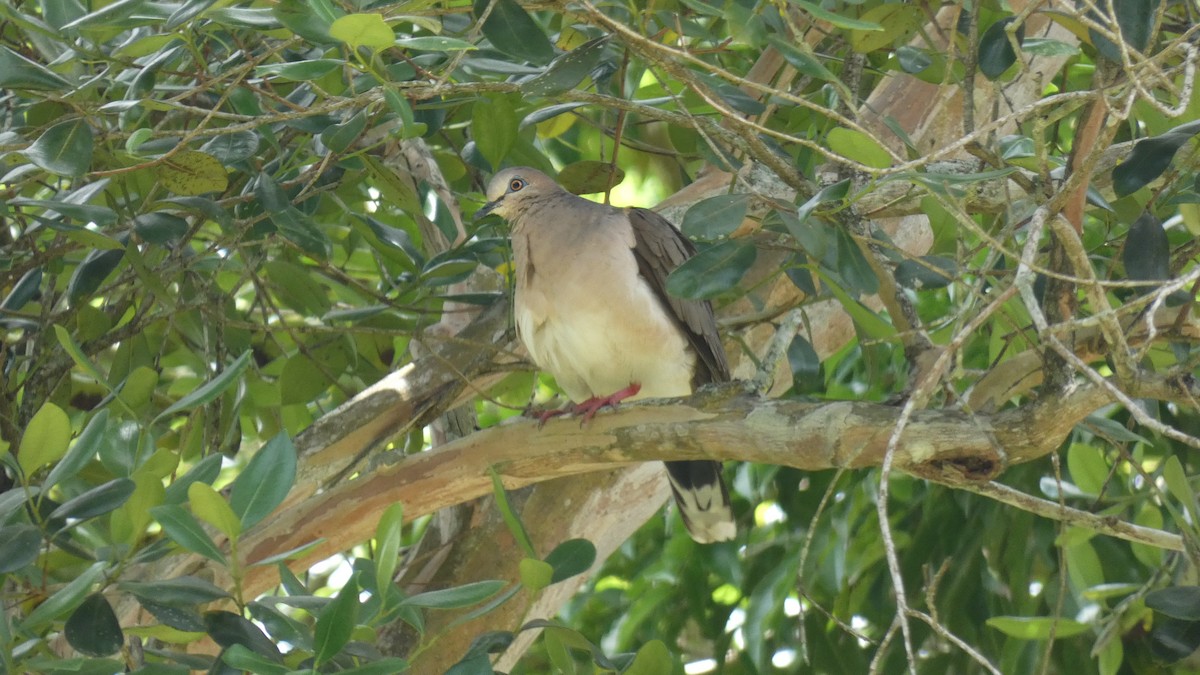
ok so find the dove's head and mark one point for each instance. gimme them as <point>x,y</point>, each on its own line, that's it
<point>512,190</point>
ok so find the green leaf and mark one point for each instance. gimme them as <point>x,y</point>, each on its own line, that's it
<point>803,61</point>
<point>183,529</point>
<point>1150,158</point>
<point>265,481</point>
<point>1037,627</point>
<point>1048,47</point>
<point>653,658</point>
<point>26,289</point>
<point>996,53</point>
<point>340,137</point>
<point>859,147</point>
<point>363,30</point>
<point>93,628</point>
<point>209,391</point>
<point>511,30</point>
<point>388,537</point>
<point>568,70</point>
<point>1181,602</point>
<point>852,264</point>
<point>206,470</point>
<point>928,271</point>
<point>535,574</point>
<point>300,71</point>
<point>454,598</point>
<point>805,365</point>
<point>20,545</point>
<point>228,629</point>
<point>387,666</point>
<point>336,623</point>
<point>63,600</point>
<point>590,177</point>
<point>231,148</point>
<point>45,439</point>
<point>573,556</point>
<point>64,149</point>
<point>160,228</point>
<point>294,225</point>
<point>185,590</point>
<point>1087,467</point>
<point>898,20</point>
<point>713,271</point>
<point>511,519</point>
<point>870,323</point>
<point>830,193</point>
<point>310,20</point>
<point>1178,486</point>
<point>494,128</point>
<point>192,173</point>
<point>97,501</point>
<point>241,658</point>
<point>213,509</point>
<point>1135,21</point>
<point>835,18</point>
<point>114,11</point>
<point>94,269</point>
<point>18,72</point>
<point>715,217</point>
<point>435,43</point>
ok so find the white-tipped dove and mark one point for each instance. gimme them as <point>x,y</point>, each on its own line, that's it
<point>592,308</point>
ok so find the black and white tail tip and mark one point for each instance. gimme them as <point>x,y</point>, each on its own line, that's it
<point>703,500</point>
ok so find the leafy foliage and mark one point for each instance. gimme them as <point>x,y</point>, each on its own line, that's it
<point>224,220</point>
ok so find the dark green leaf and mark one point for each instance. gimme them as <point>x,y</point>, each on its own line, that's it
<point>19,545</point>
<point>240,657</point>
<point>1135,20</point>
<point>233,147</point>
<point>1147,253</point>
<point>64,149</point>
<point>93,628</point>
<point>996,53</point>
<point>183,529</point>
<point>805,365</point>
<point>293,225</point>
<point>185,590</point>
<point>336,623</point>
<point>209,391</point>
<point>1150,158</point>
<point>386,666</point>
<point>511,30</point>
<point>206,470</point>
<point>339,137</point>
<point>1174,639</point>
<point>160,228</point>
<point>179,617</point>
<point>1181,602</point>
<point>713,271</point>
<point>107,14</point>
<point>830,193</point>
<point>802,61</point>
<point>494,128</point>
<point>913,60</point>
<point>837,18</point>
<point>300,71</point>
<point>228,629</point>
<point>573,556</point>
<point>715,217</point>
<point>18,72</point>
<point>310,20</point>
<point>188,11</point>
<point>82,451</point>
<point>852,264</point>
<point>265,481</point>
<point>458,596</point>
<point>567,70</point>
<point>97,501</point>
<point>589,177</point>
<point>27,288</point>
<point>929,271</point>
<point>63,600</point>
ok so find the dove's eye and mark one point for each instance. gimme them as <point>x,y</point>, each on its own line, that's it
<point>516,184</point>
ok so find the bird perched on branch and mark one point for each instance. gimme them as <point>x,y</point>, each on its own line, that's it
<point>592,309</point>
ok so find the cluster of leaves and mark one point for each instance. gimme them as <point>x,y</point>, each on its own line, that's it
<point>208,242</point>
